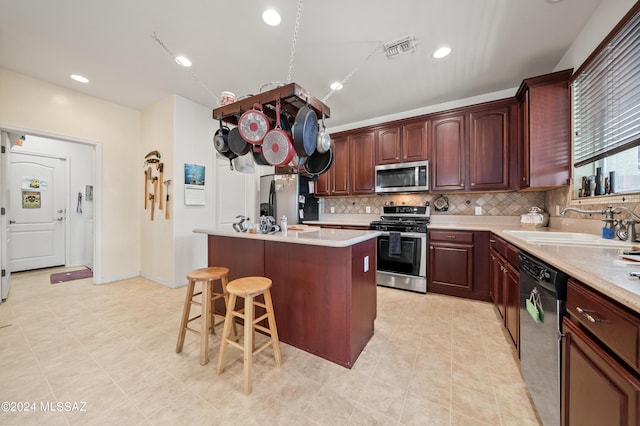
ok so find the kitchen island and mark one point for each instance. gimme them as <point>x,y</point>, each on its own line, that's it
<point>324,284</point>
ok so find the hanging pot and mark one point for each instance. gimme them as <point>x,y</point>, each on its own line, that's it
<point>220,139</point>
<point>254,125</point>
<point>236,143</point>
<point>324,139</point>
<point>258,156</point>
<point>221,143</point>
<point>305,131</point>
<point>318,163</point>
<point>276,145</point>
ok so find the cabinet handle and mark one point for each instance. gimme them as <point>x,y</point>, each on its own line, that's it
<point>462,185</point>
<point>451,236</point>
<point>492,241</point>
<point>587,315</point>
<point>524,178</point>
<point>473,184</point>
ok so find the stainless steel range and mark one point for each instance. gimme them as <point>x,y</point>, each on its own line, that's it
<point>402,247</point>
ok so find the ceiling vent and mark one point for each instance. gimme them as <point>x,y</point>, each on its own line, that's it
<point>402,45</point>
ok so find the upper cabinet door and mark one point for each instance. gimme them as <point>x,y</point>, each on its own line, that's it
<point>362,153</point>
<point>489,149</point>
<point>388,145</point>
<point>448,153</point>
<point>340,168</point>
<point>414,142</point>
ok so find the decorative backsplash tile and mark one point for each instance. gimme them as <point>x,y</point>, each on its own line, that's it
<point>493,203</point>
<point>562,198</point>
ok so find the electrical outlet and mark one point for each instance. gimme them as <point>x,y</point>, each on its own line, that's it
<point>557,210</point>
<point>367,209</point>
<point>332,209</point>
<point>478,210</point>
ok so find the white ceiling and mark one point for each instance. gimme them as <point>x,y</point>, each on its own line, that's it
<point>496,43</point>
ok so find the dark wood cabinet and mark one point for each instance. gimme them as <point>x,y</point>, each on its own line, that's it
<point>362,155</point>
<point>323,184</point>
<point>505,285</point>
<point>597,389</point>
<point>489,149</point>
<point>335,181</point>
<point>512,303</point>
<point>458,264</point>
<point>448,136</point>
<point>601,360</point>
<point>544,146</point>
<point>339,179</point>
<point>388,145</point>
<point>471,150</point>
<point>402,143</point>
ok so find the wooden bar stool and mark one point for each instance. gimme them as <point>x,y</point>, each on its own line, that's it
<point>208,295</point>
<point>249,288</point>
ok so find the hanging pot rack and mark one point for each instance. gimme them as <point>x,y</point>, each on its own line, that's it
<point>292,97</point>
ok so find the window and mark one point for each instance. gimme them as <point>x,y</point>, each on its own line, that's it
<point>606,113</point>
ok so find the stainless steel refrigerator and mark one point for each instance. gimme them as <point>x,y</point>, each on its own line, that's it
<point>287,195</point>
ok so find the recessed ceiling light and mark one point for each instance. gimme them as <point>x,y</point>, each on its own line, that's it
<point>271,17</point>
<point>79,78</point>
<point>442,52</point>
<point>336,86</point>
<point>185,62</point>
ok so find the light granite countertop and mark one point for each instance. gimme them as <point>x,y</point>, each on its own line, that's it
<point>597,267</point>
<point>311,236</point>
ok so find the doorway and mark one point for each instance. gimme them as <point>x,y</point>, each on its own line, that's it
<point>80,218</point>
<point>37,211</point>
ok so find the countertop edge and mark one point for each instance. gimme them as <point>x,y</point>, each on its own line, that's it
<point>326,237</point>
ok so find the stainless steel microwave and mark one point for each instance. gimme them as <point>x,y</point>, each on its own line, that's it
<point>403,177</point>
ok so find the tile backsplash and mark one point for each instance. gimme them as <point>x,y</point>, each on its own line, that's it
<point>492,203</point>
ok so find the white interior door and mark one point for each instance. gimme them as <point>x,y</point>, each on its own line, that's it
<point>5,279</point>
<point>37,216</point>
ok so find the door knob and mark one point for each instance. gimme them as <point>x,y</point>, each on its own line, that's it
<point>60,211</point>
<point>12,221</point>
<point>60,219</point>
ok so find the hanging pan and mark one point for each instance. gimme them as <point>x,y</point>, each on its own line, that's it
<point>276,145</point>
<point>254,125</point>
<point>318,163</point>
<point>236,143</point>
<point>324,139</point>
<point>221,143</point>
<point>305,131</point>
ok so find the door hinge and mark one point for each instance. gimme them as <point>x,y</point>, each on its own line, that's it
<point>4,149</point>
<point>2,211</point>
<point>4,273</point>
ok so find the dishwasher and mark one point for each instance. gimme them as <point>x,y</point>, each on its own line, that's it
<point>543,296</point>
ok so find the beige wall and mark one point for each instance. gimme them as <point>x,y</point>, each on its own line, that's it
<point>46,109</point>
<point>156,253</point>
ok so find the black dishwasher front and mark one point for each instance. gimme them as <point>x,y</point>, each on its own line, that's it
<point>543,295</point>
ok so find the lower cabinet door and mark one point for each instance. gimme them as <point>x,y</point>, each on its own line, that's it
<point>597,389</point>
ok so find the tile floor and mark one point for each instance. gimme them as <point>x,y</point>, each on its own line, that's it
<point>110,351</point>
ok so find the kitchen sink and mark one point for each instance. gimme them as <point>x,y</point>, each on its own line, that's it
<point>567,238</point>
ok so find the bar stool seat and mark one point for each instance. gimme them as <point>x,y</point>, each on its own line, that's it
<point>208,296</point>
<point>249,288</point>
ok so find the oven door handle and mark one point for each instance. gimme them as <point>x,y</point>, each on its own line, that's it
<point>405,234</point>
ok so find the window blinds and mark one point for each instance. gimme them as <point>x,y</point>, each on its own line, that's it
<point>606,98</point>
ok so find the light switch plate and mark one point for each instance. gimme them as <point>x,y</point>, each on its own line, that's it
<point>478,211</point>
<point>367,209</point>
<point>366,263</point>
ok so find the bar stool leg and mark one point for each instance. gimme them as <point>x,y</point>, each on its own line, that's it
<point>248,342</point>
<point>275,342</point>
<point>185,316</point>
<point>225,332</point>
<point>205,322</point>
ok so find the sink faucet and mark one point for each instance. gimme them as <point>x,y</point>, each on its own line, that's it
<point>608,219</point>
